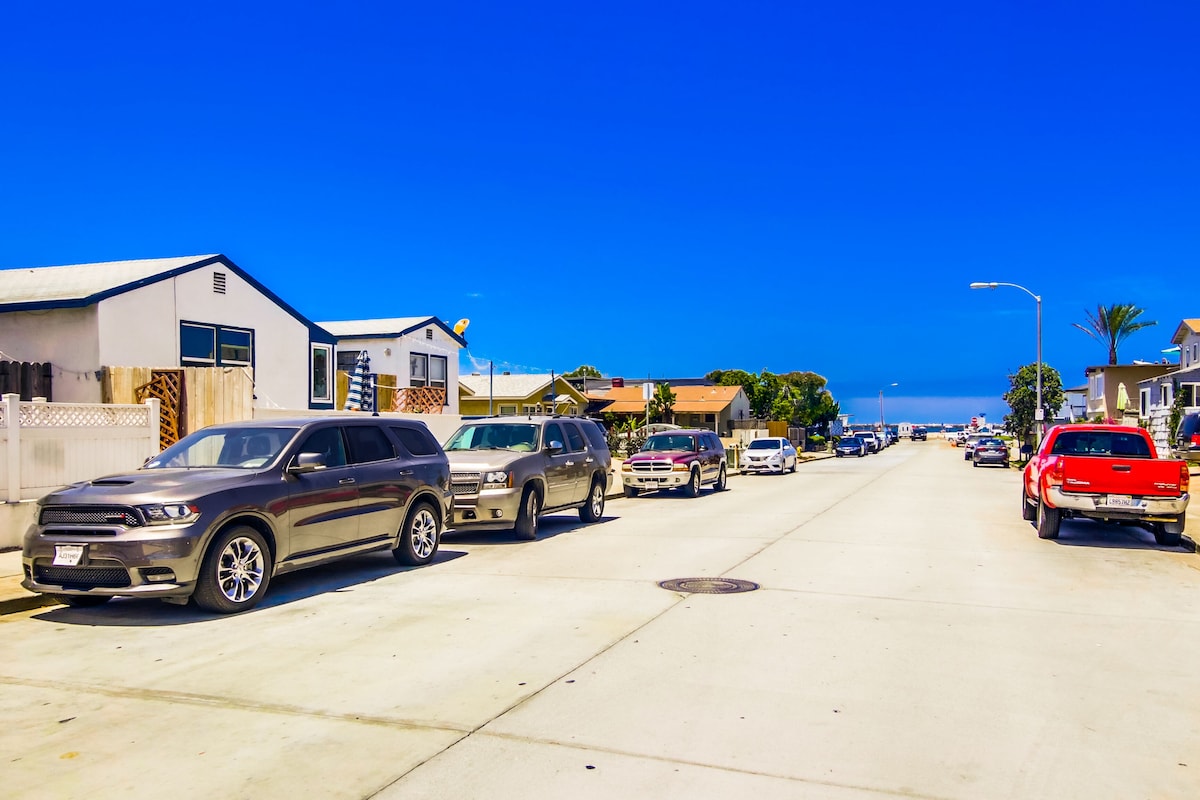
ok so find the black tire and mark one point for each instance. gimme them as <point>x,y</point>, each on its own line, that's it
<point>235,573</point>
<point>1048,521</point>
<point>974,463</point>
<point>795,464</point>
<point>722,480</point>
<point>81,600</point>
<point>593,508</point>
<point>631,491</point>
<point>692,487</point>
<point>527,518</point>
<point>420,536</point>
<point>1028,512</point>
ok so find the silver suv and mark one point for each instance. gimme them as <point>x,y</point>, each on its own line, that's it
<point>217,515</point>
<point>506,471</point>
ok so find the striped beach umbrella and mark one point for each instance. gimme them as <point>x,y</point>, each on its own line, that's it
<point>361,368</point>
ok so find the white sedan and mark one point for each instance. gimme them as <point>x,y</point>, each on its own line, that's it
<point>770,454</point>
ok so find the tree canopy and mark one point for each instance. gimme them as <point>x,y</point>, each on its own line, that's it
<point>1112,324</point>
<point>799,398</point>
<point>1022,399</point>
<point>584,371</point>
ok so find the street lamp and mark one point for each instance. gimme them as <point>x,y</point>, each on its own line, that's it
<point>1039,415</point>
<point>882,426</point>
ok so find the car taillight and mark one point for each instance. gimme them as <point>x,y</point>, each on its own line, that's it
<point>1196,440</point>
<point>1055,475</point>
<point>1185,476</point>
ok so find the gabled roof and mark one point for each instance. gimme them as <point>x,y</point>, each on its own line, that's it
<point>688,399</point>
<point>391,328</point>
<point>83,285</point>
<point>1185,327</point>
<point>511,387</point>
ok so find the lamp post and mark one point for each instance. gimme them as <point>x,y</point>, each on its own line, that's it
<point>882,425</point>
<point>1038,415</point>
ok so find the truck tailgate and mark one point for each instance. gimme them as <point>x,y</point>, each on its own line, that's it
<point>1138,477</point>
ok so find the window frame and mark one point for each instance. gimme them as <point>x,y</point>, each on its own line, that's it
<point>217,359</point>
<point>328,350</point>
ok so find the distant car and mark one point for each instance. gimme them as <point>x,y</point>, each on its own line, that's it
<point>874,443</point>
<point>850,446</point>
<point>919,434</point>
<point>892,437</point>
<point>770,454</point>
<point>970,441</point>
<point>1186,444</point>
<point>687,459</point>
<point>220,513</point>
<point>990,451</point>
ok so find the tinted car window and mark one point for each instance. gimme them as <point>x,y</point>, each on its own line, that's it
<point>553,434</point>
<point>369,444</point>
<point>594,434</point>
<point>417,441</point>
<point>327,442</point>
<point>574,437</point>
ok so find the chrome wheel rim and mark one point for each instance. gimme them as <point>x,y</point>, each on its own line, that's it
<point>422,534</point>
<point>531,509</point>
<point>240,569</point>
<point>597,501</point>
<point>695,481</point>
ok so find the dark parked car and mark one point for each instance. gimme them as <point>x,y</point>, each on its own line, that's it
<point>217,515</point>
<point>918,434</point>
<point>850,446</point>
<point>990,451</point>
<point>1186,444</point>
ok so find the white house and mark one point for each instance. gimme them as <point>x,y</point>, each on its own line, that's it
<point>419,351</point>
<point>163,313</point>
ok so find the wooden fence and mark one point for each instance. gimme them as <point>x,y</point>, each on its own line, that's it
<point>213,394</point>
<point>29,380</point>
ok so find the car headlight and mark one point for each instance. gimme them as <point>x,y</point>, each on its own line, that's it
<point>497,480</point>
<point>681,467</point>
<point>170,513</point>
<point>773,457</point>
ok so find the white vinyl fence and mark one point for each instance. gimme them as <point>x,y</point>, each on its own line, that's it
<point>46,445</point>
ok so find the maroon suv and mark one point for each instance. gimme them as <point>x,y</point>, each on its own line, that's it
<point>679,458</point>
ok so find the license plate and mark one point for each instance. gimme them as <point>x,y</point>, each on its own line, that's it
<point>68,555</point>
<point>1122,501</point>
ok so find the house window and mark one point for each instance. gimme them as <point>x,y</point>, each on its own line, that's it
<point>1144,400</point>
<point>418,369</point>
<point>320,370</point>
<point>508,411</point>
<point>530,411</point>
<point>1189,393</point>
<point>203,345</point>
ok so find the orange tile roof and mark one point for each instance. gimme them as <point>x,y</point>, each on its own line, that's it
<point>688,399</point>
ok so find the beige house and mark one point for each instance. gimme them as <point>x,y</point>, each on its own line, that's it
<point>1104,383</point>
<point>508,395</point>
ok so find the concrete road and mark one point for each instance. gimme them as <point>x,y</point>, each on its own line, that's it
<point>912,639</point>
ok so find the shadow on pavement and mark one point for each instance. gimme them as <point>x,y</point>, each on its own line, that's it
<point>339,576</point>
<point>1089,533</point>
<point>549,526</point>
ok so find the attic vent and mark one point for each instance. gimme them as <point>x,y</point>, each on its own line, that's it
<point>429,333</point>
<point>218,283</point>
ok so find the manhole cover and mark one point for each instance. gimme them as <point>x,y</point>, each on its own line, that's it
<point>708,585</point>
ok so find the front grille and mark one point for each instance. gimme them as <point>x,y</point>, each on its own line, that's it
<point>652,466</point>
<point>464,483</point>
<point>94,577</point>
<point>90,515</point>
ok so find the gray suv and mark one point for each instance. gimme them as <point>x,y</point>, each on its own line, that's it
<point>215,516</point>
<point>506,471</point>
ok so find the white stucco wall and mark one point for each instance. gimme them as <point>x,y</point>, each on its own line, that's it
<point>64,337</point>
<point>396,362</point>
<point>141,328</point>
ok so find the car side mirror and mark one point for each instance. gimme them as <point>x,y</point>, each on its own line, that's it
<point>307,462</point>
<point>555,447</point>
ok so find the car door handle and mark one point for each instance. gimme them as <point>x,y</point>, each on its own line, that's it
<point>1121,467</point>
<point>406,472</point>
<point>570,463</point>
<point>345,481</point>
<point>589,460</point>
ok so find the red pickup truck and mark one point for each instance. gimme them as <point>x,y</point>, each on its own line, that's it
<point>1108,473</point>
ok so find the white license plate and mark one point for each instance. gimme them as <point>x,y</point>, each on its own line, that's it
<point>1122,501</point>
<point>68,555</point>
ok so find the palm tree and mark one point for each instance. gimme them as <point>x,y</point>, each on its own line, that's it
<point>662,404</point>
<point>1113,324</point>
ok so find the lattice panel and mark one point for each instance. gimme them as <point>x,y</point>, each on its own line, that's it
<point>167,386</point>
<point>58,415</point>
<point>420,400</point>
<point>3,416</point>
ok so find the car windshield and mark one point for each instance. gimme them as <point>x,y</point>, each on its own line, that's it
<point>230,447</point>
<point>765,444</point>
<point>851,440</point>
<point>991,443</point>
<point>522,437</point>
<point>670,442</point>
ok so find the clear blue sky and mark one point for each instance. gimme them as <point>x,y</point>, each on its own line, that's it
<point>653,188</point>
